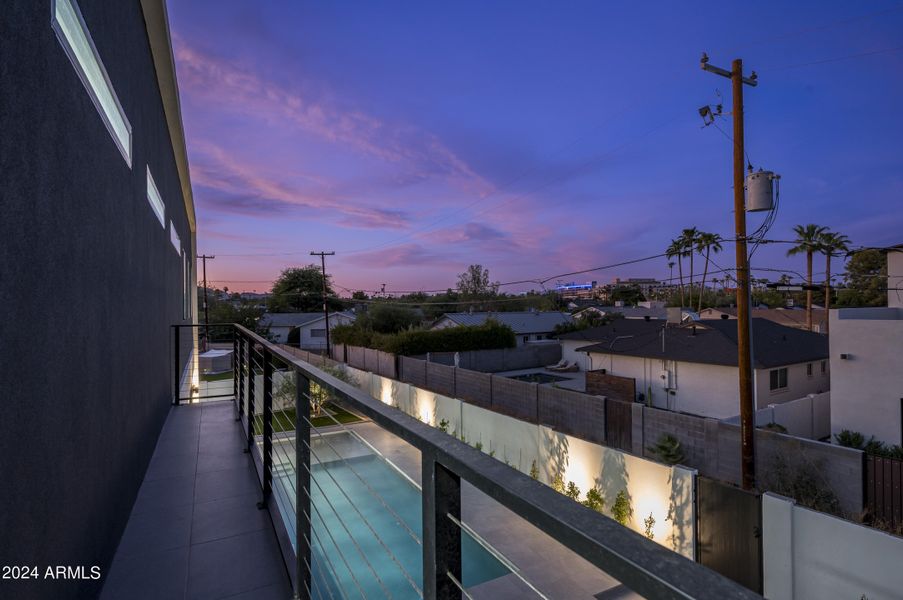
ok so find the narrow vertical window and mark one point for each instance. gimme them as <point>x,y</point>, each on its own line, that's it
<point>75,38</point>
<point>155,199</point>
<point>174,238</point>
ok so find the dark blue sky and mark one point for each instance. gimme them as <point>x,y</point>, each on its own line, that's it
<point>532,137</point>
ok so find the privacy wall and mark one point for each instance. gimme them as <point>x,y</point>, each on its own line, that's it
<point>662,492</point>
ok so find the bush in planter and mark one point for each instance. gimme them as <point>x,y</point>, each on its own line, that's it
<point>558,483</point>
<point>649,522</point>
<point>534,471</point>
<point>572,491</point>
<point>621,510</point>
<point>594,500</point>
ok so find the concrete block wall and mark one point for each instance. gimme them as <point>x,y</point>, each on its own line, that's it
<point>690,430</point>
<point>441,379</point>
<point>386,364</point>
<point>413,371</point>
<point>502,359</point>
<point>515,398</point>
<point>573,413</point>
<point>474,387</point>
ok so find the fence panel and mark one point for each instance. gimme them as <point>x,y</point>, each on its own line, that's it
<point>386,362</point>
<point>577,414</point>
<point>413,371</point>
<point>515,398</point>
<point>474,387</point>
<point>441,379</point>
<point>356,357</point>
<point>883,493</point>
<point>619,424</point>
<point>729,525</point>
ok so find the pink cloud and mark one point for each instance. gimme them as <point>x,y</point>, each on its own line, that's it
<point>225,85</point>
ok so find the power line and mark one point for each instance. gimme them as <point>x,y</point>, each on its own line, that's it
<point>831,60</point>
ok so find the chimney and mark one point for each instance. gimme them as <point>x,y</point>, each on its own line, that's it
<point>674,315</point>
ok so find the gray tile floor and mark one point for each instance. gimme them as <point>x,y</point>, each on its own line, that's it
<point>195,531</point>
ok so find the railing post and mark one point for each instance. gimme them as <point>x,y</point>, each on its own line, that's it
<point>441,536</point>
<point>251,378</point>
<point>176,371</point>
<point>303,553</point>
<point>241,364</point>
<point>235,368</point>
<point>267,426</point>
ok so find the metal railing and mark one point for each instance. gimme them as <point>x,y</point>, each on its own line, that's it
<point>197,375</point>
<point>274,394</point>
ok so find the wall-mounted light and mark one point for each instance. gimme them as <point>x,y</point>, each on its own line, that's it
<point>845,357</point>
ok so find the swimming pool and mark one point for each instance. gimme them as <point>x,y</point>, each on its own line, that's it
<point>341,535</point>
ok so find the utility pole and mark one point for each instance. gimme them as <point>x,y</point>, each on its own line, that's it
<point>204,258</point>
<point>323,256</point>
<point>744,323</point>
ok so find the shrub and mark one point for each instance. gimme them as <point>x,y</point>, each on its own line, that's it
<point>558,483</point>
<point>649,522</point>
<point>668,449</point>
<point>572,491</point>
<point>776,427</point>
<point>854,439</point>
<point>621,509</point>
<point>479,446</point>
<point>801,481</point>
<point>443,425</point>
<point>594,500</point>
<point>490,335</point>
<point>534,471</point>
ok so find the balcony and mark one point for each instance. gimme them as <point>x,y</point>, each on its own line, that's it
<point>303,483</point>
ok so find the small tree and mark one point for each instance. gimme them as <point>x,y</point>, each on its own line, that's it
<point>558,483</point>
<point>621,509</point>
<point>594,500</point>
<point>443,425</point>
<point>649,522</point>
<point>572,491</point>
<point>534,471</point>
<point>668,449</point>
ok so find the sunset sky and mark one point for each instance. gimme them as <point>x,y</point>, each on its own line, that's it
<point>535,138</point>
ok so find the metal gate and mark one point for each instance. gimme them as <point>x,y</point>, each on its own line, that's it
<point>729,531</point>
<point>619,424</point>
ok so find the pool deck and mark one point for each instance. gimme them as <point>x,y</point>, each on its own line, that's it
<point>195,530</point>
<point>555,570</point>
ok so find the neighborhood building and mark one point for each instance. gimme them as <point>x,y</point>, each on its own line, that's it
<point>643,310</point>
<point>867,363</point>
<point>302,330</point>
<point>789,317</point>
<point>529,326</point>
<point>692,367</point>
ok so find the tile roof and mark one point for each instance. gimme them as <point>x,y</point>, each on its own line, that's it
<point>713,342</point>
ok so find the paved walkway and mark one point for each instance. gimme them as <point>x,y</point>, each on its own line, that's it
<point>555,570</point>
<point>195,531</point>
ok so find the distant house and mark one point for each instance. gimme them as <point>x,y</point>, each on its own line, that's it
<point>693,367</point>
<point>304,330</point>
<point>528,326</point>
<point>789,317</point>
<point>653,310</point>
<point>867,363</point>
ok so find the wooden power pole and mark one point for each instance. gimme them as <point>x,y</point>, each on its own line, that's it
<point>323,256</point>
<point>744,323</point>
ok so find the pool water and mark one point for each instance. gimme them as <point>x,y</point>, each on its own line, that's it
<point>341,535</point>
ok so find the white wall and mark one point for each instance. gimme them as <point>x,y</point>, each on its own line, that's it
<point>664,492</point>
<point>308,342</point>
<point>813,555</point>
<point>808,417</point>
<point>867,386</point>
<point>799,384</point>
<point>895,278</point>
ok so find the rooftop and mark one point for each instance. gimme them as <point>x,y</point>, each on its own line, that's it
<point>710,341</point>
<point>295,319</point>
<point>520,322</point>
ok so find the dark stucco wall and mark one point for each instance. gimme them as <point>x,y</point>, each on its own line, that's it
<point>89,285</point>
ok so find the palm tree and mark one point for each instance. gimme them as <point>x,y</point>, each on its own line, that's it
<point>676,250</point>
<point>832,244</point>
<point>687,242</point>
<point>706,243</point>
<point>808,241</point>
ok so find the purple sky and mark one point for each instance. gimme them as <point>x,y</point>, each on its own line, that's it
<point>535,138</point>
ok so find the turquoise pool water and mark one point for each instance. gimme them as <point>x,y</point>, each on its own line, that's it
<point>339,540</point>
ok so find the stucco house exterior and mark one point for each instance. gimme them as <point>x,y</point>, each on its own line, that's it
<point>303,330</point>
<point>529,326</point>
<point>692,368</point>
<point>867,363</point>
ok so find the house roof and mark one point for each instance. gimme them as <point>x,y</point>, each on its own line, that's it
<point>520,322</point>
<point>791,317</point>
<point>295,319</point>
<point>714,341</point>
